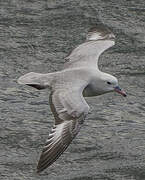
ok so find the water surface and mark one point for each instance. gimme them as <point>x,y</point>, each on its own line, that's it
<point>36,36</point>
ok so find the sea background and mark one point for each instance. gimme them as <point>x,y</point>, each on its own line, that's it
<point>36,35</point>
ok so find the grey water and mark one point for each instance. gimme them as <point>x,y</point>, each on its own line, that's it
<point>36,35</point>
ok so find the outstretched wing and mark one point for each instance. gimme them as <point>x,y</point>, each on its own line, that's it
<point>86,55</point>
<point>69,109</point>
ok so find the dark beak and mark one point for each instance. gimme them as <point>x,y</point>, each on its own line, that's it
<point>118,89</point>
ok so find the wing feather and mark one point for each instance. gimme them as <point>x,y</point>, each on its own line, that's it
<point>86,54</point>
<point>62,137</point>
<point>67,126</point>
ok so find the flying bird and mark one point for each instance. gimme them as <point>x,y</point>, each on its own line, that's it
<point>79,78</point>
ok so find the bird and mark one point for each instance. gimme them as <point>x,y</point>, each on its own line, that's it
<point>79,78</point>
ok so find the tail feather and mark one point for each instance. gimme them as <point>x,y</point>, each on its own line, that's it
<point>36,80</point>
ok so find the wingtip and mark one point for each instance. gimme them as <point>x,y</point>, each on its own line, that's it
<point>39,168</point>
<point>100,32</point>
<point>100,28</point>
<point>42,166</point>
<point>38,171</point>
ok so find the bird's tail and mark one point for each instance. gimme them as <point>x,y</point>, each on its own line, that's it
<point>37,80</point>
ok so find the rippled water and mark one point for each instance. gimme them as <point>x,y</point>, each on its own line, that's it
<point>35,36</point>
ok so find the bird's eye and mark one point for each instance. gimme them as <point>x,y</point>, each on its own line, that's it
<point>108,82</point>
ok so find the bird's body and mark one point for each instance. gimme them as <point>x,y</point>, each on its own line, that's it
<point>79,77</point>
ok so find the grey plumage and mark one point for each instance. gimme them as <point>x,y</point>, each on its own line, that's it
<point>80,76</point>
<point>58,141</point>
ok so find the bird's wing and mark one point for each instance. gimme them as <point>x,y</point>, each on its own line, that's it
<point>69,109</point>
<point>86,55</point>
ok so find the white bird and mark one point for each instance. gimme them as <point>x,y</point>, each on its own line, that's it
<point>79,78</point>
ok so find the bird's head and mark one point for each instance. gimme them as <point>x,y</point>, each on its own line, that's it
<point>109,83</point>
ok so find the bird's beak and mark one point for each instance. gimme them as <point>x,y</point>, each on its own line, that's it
<point>118,89</point>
